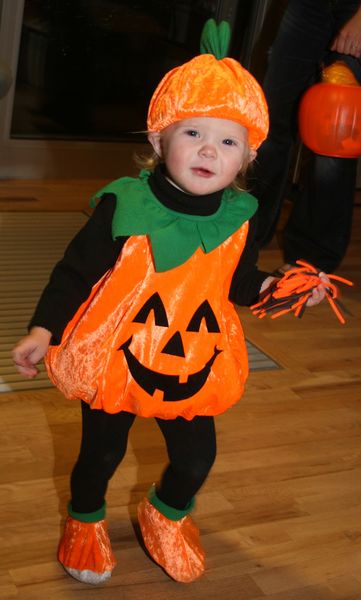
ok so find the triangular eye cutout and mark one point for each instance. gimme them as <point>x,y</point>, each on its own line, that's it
<point>156,305</point>
<point>174,346</point>
<point>204,312</point>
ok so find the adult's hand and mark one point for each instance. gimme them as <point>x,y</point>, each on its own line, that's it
<point>348,39</point>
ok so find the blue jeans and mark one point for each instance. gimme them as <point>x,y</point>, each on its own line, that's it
<point>318,229</point>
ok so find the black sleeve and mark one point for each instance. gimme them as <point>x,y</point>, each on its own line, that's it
<point>89,255</point>
<point>247,279</point>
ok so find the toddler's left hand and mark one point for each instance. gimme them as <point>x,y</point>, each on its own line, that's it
<point>297,289</point>
<point>319,293</point>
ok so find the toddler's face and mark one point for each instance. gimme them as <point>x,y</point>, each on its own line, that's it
<point>203,154</point>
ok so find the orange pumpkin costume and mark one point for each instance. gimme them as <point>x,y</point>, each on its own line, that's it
<point>158,336</point>
<point>116,353</point>
<point>156,341</point>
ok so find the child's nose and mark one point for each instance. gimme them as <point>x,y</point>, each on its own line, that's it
<point>208,150</point>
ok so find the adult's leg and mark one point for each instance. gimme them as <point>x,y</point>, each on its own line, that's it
<point>103,445</point>
<point>304,33</point>
<point>191,447</point>
<point>319,226</point>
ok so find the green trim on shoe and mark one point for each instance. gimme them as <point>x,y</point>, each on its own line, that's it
<point>92,517</point>
<point>173,514</point>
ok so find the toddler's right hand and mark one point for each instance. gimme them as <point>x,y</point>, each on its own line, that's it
<point>30,350</point>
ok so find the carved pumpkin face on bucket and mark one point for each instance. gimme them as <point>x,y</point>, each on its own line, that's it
<point>176,345</point>
<point>330,115</point>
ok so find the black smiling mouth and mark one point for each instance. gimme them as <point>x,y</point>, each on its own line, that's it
<point>172,389</point>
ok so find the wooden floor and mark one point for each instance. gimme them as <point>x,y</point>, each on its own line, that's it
<point>280,515</point>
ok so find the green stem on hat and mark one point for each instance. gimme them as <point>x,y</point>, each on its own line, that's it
<point>215,38</point>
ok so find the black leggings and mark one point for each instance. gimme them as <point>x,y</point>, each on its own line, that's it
<point>191,447</point>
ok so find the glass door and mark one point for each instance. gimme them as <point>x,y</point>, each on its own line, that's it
<point>83,73</point>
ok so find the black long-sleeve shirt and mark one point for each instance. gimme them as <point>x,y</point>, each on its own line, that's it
<point>93,252</point>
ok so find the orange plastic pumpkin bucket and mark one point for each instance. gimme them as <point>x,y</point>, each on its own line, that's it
<point>330,113</point>
<point>330,120</point>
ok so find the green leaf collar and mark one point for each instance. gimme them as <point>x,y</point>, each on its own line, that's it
<point>174,236</point>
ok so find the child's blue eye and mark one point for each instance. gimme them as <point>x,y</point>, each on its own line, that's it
<point>192,132</point>
<point>229,142</point>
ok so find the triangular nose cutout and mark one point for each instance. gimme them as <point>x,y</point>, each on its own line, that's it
<point>174,346</point>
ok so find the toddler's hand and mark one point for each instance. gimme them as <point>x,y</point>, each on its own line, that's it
<point>30,350</point>
<point>319,292</point>
<point>299,288</point>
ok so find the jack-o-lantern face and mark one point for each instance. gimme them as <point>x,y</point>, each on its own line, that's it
<point>171,386</point>
<point>163,345</point>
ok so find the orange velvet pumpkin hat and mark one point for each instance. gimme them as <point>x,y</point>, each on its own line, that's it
<point>211,85</point>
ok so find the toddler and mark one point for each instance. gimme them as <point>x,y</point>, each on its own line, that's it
<point>138,317</point>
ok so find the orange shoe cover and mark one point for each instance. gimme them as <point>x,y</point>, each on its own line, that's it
<point>85,551</point>
<point>174,545</point>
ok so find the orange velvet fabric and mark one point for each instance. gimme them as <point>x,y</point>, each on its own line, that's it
<point>174,545</point>
<point>86,546</point>
<point>92,361</point>
<point>207,87</point>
